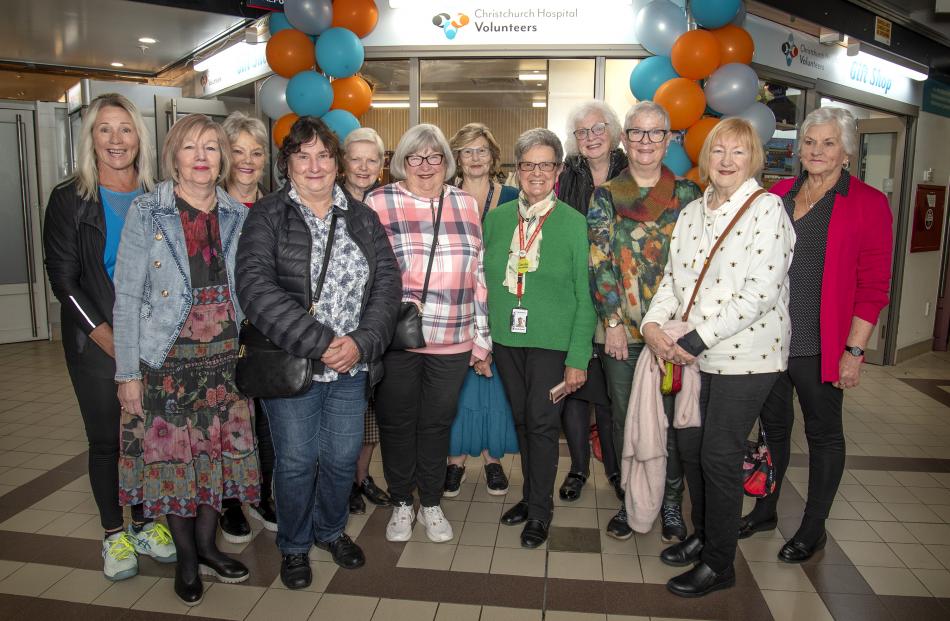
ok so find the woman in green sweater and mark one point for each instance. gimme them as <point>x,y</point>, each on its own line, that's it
<point>541,317</point>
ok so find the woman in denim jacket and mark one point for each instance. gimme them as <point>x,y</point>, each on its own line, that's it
<point>186,432</point>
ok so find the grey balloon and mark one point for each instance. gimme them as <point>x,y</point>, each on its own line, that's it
<point>658,25</point>
<point>309,16</point>
<point>739,19</point>
<point>273,97</point>
<point>731,88</point>
<point>762,119</point>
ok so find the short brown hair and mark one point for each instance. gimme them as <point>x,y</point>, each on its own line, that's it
<point>469,134</point>
<point>743,131</point>
<point>196,124</point>
<point>304,130</point>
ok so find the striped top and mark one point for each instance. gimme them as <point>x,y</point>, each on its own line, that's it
<point>455,317</point>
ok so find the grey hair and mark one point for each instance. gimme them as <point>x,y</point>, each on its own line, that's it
<point>842,119</point>
<point>419,138</point>
<point>365,134</point>
<point>593,106</point>
<point>538,137</point>
<point>646,107</point>
<point>238,122</point>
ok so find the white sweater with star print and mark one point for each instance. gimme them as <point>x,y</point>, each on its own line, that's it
<point>741,310</point>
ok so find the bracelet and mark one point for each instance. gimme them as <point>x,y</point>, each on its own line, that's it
<point>128,381</point>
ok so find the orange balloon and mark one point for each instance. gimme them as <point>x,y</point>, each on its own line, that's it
<point>282,126</point>
<point>358,16</point>
<point>695,54</point>
<point>693,175</point>
<point>696,136</point>
<point>683,100</point>
<point>289,52</point>
<point>352,94</point>
<point>735,45</point>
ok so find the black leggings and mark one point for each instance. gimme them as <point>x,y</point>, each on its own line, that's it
<point>576,423</point>
<point>265,454</point>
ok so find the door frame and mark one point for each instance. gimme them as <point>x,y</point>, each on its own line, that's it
<point>167,110</point>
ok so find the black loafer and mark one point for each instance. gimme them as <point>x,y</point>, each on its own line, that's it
<point>234,525</point>
<point>797,552</point>
<point>345,552</point>
<point>747,527</point>
<point>701,580</point>
<point>683,553</point>
<point>295,571</point>
<point>515,515</point>
<point>534,534</point>
<point>190,593</point>
<point>224,568</point>
<point>572,486</point>
<point>357,506</point>
<point>373,494</point>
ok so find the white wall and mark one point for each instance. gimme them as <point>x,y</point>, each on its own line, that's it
<point>570,82</point>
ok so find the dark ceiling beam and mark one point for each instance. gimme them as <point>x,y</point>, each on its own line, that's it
<point>237,8</point>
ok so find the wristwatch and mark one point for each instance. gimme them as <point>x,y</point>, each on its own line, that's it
<point>854,350</point>
<point>613,322</point>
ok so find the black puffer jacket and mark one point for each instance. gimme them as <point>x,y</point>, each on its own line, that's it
<point>576,183</point>
<point>273,280</point>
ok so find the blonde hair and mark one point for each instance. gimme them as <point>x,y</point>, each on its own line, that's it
<point>469,134</point>
<point>87,169</point>
<point>365,134</point>
<point>238,122</point>
<point>196,124</point>
<point>742,131</point>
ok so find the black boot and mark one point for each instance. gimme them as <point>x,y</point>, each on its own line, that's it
<point>684,553</point>
<point>701,580</point>
<point>357,506</point>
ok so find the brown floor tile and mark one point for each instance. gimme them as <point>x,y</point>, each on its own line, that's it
<point>837,579</point>
<point>572,539</point>
<point>850,607</point>
<point>915,608</point>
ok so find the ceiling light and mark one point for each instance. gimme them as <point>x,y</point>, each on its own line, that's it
<point>117,64</point>
<point>429,104</point>
<point>148,40</point>
<point>539,104</point>
<point>528,77</point>
<point>390,104</point>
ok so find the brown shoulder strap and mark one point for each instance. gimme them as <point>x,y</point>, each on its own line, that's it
<point>715,248</point>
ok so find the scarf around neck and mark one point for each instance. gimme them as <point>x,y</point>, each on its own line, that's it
<point>532,216</point>
<point>659,198</point>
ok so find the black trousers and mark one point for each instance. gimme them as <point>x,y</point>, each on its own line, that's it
<point>712,458</point>
<point>821,409</point>
<point>529,373</point>
<point>416,403</point>
<point>265,455</point>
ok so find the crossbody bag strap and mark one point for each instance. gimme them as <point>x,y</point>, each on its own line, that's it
<point>326,261</point>
<point>435,242</point>
<point>715,248</point>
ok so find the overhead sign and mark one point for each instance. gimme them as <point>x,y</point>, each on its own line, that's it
<point>233,66</point>
<point>882,30</point>
<point>936,99</point>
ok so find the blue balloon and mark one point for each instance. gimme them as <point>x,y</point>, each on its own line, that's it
<point>649,74</point>
<point>341,122</point>
<point>277,22</point>
<point>339,52</point>
<point>676,159</point>
<point>309,94</point>
<point>714,13</point>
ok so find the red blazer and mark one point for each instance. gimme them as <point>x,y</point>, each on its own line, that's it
<point>857,272</point>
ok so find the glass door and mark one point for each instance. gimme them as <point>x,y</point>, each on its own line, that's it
<point>169,109</point>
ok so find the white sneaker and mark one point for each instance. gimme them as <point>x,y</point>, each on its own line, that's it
<point>400,524</point>
<point>118,552</point>
<point>438,528</point>
<point>154,540</point>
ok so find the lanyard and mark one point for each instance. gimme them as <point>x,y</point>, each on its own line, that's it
<point>491,193</point>
<point>523,251</point>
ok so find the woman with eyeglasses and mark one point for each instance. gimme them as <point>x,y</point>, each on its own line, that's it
<point>593,157</point>
<point>417,399</point>
<point>630,221</point>
<point>542,318</point>
<point>483,425</point>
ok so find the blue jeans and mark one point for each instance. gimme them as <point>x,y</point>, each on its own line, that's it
<point>317,438</point>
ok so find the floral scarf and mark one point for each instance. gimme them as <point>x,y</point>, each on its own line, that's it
<point>532,215</point>
<point>659,198</point>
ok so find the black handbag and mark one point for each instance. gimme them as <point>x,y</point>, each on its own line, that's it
<point>266,371</point>
<point>408,334</point>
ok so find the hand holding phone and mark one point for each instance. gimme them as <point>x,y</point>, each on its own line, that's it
<point>558,392</point>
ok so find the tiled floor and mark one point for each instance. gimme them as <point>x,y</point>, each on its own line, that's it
<point>888,555</point>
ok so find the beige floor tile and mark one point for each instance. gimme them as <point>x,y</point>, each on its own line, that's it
<point>941,553</point>
<point>421,555</point>
<point>87,506</point>
<point>46,461</point>
<point>873,477</point>
<point>930,533</point>
<point>893,581</point>
<point>912,512</point>
<point>942,511</point>
<point>873,511</point>
<point>629,618</point>
<point>621,568</point>
<point>942,477</point>
<point>842,510</point>
<point>31,520</point>
<point>761,550</point>
<point>776,576</point>
<point>124,593</point>
<point>161,598</point>
<point>870,554</point>
<point>39,445</point>
<point>8,567</point>
<point>70,447</point>
<point>458,612</point>
<point>489,512</point>
<point>609,545</point>
<point>496,613</point>
<point>575,566</point>
<point>937,581</point>
<point>915,556</point>
<point>284,605</point>
<point>475,559</point>
<point>518,562</point>
<point>893,532</point>
<point>79,585</point>
<point>564,615</point>
<point>577,517</point>
<point>227,601</point>
<point>15,458</point>
<point>61,500</point>
<point>455,511</point>
<point>65,524</point>
<point>794,606</point>
<point>479,534</point>
<point>915,479</point>
<point>851,530</point>
<point>931,495</point>
<point>481,494</point>
<point>655,572</point>
<point>332,607</point>
<point>891,493</point>
<point>404,610</point>
<point>856,493</point>
<point>32,579</point>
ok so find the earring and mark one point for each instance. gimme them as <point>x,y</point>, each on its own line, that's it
<point>847,164</point>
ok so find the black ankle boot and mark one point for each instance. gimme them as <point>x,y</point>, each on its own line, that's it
<point>190,593</point>
<point>684,553</point>
<point>224,568</point>
<point>701,580</point>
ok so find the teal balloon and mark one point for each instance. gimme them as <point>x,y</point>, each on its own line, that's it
<point>277,22</point>
<point>676,159</point>
<point>339,52</point>
<point>649,74</point>
<point>341,122</point>
<point>714,13</point>
<point>309,94</point>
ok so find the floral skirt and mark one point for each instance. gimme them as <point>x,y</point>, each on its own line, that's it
<point>195,443</point>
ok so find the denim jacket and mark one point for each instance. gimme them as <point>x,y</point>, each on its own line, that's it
<point>152,277</point>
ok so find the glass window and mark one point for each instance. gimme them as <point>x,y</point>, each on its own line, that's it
<point>389,113</point>
<point>781,152</point>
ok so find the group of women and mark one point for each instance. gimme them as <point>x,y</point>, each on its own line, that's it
<point>525,297</point>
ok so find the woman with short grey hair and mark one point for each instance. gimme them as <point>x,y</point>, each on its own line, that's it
<point>248,137</point>
<point>417,139</point>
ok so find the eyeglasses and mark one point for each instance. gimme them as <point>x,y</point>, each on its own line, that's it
<point>530,166</point>
<point>596,129</point>
<point>636,134</point>
<point>433,159</point>
<point>470,154</point>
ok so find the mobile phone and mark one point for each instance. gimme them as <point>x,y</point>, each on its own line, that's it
<point>558,392</point>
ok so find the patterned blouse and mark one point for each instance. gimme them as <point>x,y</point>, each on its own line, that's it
<point>340,303</point>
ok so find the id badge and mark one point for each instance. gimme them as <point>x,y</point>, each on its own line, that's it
<point>519,320</point>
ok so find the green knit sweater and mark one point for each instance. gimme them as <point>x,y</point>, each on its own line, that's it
<point>560,310</point>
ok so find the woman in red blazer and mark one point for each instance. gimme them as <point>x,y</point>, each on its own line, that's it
<point>838,282</point>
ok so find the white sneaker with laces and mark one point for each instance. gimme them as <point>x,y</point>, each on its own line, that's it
<point>154,540</point>
<point>438,529</point>
<point>400,523</point>
<point>118,554</point>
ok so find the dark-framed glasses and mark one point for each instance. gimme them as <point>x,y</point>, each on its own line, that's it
<point>597,129</point>
<point>530,166</point>
<point>636,134</point>
<point>433,159</point>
